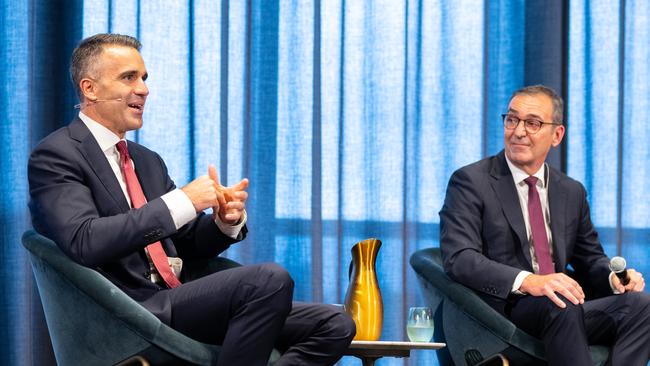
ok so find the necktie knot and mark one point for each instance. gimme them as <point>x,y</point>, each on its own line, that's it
<point>121,147</point>
<point>531,181</point>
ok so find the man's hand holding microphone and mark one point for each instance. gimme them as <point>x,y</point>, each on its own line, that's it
<point>625,279</point>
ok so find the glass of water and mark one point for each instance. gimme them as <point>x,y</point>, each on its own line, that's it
<point>419,325</point>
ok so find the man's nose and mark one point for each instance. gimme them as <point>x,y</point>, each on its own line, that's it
<point>141,88</point>
<point>520,129</point>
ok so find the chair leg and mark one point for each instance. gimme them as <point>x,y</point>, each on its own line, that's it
<point>134,361</point>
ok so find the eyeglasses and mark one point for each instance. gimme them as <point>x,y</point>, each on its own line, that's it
<point>532,125</point>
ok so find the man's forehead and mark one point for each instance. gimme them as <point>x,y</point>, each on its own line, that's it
<point>119,51</point>
<point>121,58</point>
<point>118,46</point>
<point>531,104</point>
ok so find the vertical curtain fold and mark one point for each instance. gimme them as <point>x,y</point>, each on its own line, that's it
<point>635,150</point>
<point>14,95</point>
<point>262,129</point>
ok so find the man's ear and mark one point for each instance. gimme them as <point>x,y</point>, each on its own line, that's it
<point>558,134</point>
<point>87,88</point>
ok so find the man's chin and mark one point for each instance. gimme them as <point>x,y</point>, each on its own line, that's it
<point>135,124</point>
<point>517,157</point>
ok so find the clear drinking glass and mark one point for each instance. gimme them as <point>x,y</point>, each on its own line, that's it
<point>419,325</point>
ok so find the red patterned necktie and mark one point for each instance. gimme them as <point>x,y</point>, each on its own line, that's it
<point>538,228</point>
<point>156,251</point>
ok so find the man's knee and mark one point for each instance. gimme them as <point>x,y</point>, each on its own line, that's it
<point>277,282</point>
<point>338,331</point>
<point>570,314</point>
<point>275,276</point>
<point>344,325</point>
<point>270,284</point>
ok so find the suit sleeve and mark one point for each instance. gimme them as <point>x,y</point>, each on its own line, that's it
<point>461,242</point>
<point>589,261</point>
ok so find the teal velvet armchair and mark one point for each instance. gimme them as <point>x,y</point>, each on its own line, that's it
<point>472,330</point>
<point>92,322</point>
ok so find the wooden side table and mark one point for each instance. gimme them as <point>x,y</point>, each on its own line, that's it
<point>371,351</point>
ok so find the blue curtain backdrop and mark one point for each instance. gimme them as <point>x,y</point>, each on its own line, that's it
<point>348,116</point>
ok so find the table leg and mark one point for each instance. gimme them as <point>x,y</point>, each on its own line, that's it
<point>368,360</point>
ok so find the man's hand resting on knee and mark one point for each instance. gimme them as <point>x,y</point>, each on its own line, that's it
<point>552,284</point>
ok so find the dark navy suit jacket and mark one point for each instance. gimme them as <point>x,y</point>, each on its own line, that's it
<point>483,234</point>
<point>77,201</point>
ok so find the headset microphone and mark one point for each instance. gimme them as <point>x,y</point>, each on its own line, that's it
<point>80,105</point>
<point>617,265</point>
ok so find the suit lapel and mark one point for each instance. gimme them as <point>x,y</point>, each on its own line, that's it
<point>505,189</point>
<point>91,151</point>
<point>557,201</point>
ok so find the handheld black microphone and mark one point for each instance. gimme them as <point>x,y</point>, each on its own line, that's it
<point>80,105</point>
<point>617,265</point>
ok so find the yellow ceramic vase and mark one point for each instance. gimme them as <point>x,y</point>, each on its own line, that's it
<point>363,298</point>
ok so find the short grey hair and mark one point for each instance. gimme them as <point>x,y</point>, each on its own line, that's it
<point>89,49</point>
<point>558,103</point>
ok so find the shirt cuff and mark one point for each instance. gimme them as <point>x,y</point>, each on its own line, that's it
<point>518,281</point>
<point>232,231</point>
<point>611,283</point>
<point>180,207</point>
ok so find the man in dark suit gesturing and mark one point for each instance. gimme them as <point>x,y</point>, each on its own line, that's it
<point>511,225</point>
<point>109,204</point>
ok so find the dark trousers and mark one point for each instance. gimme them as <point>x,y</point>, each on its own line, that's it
<point>619,321</point>
<point>249,311</point>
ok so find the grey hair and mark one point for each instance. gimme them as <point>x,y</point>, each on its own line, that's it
<point>558,103</point>
<point>89,49</point>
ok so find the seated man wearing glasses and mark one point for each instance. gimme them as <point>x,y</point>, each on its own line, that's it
<point>511,225</point>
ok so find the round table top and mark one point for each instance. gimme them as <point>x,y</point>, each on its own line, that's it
<point>395,345</point>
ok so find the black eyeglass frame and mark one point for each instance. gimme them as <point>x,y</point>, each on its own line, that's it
<point>526,123</point>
